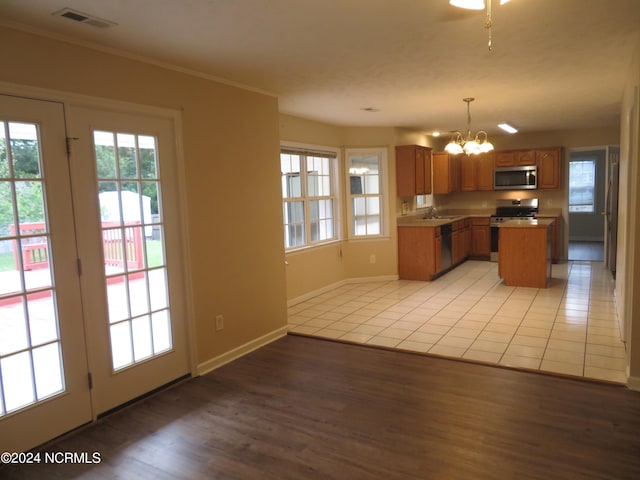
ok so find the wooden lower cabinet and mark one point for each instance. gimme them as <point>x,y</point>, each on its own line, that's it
<point>460,241</point>
<point>419,252</point>
<point>480,238</point>
<point>524,258</point>
<point>555,228</point>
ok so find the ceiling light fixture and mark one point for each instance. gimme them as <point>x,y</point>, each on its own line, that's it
<point>479,5</point>
<point>479,143</point>
<point>508,128</point>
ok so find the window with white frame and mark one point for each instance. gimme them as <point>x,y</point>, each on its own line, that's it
<point>582,186</point>
<point>308,197</point>
<point>366,173</point>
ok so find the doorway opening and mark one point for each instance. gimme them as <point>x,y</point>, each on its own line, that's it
<point>587,174</point>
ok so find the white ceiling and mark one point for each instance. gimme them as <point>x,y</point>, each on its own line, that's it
<point>555,63</point>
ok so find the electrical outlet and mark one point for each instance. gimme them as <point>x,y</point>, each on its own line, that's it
<point>219,322</point>
<point>372,258</point>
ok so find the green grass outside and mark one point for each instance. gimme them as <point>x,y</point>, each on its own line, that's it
<point>6,262</point>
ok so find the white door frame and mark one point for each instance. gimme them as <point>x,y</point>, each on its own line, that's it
<point>71,99</point>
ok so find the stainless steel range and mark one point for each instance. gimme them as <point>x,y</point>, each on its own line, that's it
<point>510,209</point>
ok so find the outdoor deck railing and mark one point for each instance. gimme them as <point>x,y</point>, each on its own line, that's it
<point>121,243</point>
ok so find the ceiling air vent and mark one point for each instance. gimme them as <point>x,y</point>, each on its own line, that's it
<point>84,18</point>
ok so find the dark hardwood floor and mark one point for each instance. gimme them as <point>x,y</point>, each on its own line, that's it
<point>308,408</point>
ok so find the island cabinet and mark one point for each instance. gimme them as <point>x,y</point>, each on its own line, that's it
<point>548,162</point>
<point>446,173</point>
<point>476,172</point>
<point>480,238</point>
<point>524,253</point>
<point>419,252</point>
<point>413,170</point>
<point>555,228</point>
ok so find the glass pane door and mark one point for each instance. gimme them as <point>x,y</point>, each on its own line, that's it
<point>43,372</point>
<point>30,355</point>
<point>132,246</point>
<point>124,172</point>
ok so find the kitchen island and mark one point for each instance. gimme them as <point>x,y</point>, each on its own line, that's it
<point>524,252</point>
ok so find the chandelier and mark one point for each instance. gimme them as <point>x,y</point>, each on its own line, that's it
<point>471,145</point>
<point>479,5</point>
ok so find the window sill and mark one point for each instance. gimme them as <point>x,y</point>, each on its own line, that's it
<point>306,248</point>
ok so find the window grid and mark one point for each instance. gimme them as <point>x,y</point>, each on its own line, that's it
<point>308,199</point>
<point>129,197</point>
<point>31,368</point>
<point>582,186</point>
<point>366,191</point>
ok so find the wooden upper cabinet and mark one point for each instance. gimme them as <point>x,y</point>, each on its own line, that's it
<point>515,158</point>
<point>484,171</point>
<point>476,172</point>
<point>525,157</point>
<point>468,173</point>
<point>505,159</point>
<point>548,161</point>
<point>446,173</point>
<point>413,170</point>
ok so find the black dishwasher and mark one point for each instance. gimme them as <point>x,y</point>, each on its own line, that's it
<point>445,259</point>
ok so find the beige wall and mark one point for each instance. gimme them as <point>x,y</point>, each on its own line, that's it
<point>313,269</point>
<point>628,261</point>
<point>231,148</point>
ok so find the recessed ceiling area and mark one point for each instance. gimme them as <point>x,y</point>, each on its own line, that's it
<point>554,64</point>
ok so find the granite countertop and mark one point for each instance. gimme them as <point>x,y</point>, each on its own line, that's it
<point>544,222</point>
<point>443,219</point>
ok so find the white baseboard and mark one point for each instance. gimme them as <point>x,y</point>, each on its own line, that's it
<point>633,383</point>
<point>240,351</point>
<point>327,288</point>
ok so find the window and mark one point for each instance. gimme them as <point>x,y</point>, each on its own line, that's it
<point>366,191</point>
<point>308,186</point>
<point>582,180</point>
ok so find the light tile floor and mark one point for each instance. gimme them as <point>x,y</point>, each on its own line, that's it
<point>569,328</point>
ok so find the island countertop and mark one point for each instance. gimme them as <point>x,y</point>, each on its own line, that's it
<point>538,222</point>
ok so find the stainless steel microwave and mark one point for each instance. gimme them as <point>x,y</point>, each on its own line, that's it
<point>516,178</point>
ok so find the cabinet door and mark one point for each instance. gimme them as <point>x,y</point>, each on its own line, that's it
<point>505,159</point>
<point>405,171</point>
<point>481,241</point>
<point>525,157</point>
<point>548,162</point>
<point>419,171</point>
<point>413,170</point>
<point>427,171</point>
<point>441,176</point>
<point>484,171</point>
<point>468,164</point>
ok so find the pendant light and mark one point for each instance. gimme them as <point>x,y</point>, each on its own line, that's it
<point>471,145</point>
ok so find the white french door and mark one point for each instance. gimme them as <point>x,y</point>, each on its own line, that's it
<point>124,175</point>
<point>92,302</point>
<point>44,389</point>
